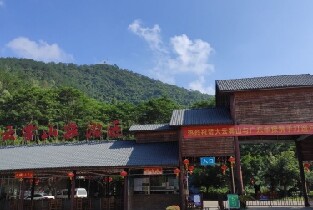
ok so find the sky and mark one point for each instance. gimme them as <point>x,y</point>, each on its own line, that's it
<point>186,43</point>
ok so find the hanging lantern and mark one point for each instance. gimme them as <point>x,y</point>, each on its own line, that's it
<point>176,171</point>
<point>306,166</point>
<point>232,160</point>
<point>123,173</point>
<point>224,168</point>
<point>190,169</point>
<point>186,162</point>
<point>70,175</point>
<point>108,179</point>
<point>36,181</point>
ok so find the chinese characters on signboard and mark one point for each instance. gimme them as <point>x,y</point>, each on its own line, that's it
<point>70,131</point>
<point>24,174</point>
<point>247,130</point>
<point>153,171</point>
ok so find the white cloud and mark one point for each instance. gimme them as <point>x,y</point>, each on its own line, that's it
<point>190,56</point>
<point>200,86</point>
<point>150,35</point>
<point>41,50</point>
<point>182,56</point>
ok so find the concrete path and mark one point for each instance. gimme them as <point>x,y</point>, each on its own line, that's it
<point>213,205</point>
<point>280,208</point>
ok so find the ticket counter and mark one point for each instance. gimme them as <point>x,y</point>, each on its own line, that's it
<point>153,191</point>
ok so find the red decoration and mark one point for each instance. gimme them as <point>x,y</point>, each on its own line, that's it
<point>123,173</point>
<point>176,171</point>
<point>306,166</point>
<point>25,174</point>
<point>28,132</point>
<point>8,134</point>
<point>114,130</point>
<point>70,175</point>
<point>71,131</point>
<point>232,160</point>
<point>108,179</point>
<point>51,133</point>
<point>36,181</point>
<point>224,168</point>
<point>186,162</point>
<point>190,169</point>
<point>94,131</point>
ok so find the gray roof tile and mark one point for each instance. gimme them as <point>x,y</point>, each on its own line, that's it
<point>151,127</point>
<point>281,81</point>
<point>207,116</point>
<point>90,154</point>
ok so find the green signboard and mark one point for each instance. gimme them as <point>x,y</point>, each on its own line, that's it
<point>233,201</point>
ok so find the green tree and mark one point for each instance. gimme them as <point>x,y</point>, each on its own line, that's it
<point>156,111</point>
<point>282,171</point>
<point>210,103</point>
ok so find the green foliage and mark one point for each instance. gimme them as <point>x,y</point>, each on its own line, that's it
<point>156,111</point>
<point>204,104</point>
<point>282,171</point>
<point>107,83</point>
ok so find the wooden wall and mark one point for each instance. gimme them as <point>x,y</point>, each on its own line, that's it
<point>273,106</point>
<point>153,201</point>
<point>223,146</point>
<point>156,136</point>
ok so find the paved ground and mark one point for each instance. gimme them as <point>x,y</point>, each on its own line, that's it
<point>213,205</point>
<point>280,208</point>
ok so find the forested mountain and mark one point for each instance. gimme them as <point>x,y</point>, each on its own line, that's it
<point>103,82</point>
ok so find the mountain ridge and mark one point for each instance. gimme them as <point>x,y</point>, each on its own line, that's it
<point>104,82</point>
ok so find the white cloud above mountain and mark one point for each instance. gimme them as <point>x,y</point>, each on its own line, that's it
<point>38,50</point>
<point>181,55</point>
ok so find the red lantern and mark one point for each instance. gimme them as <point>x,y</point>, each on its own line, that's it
<point>190,169</point>
<point>123,173</point>
<point>232,160</point>
<point>186,162</point>
<point>176,171</point>
<point>108,179</point>
<point>306,166</point>
<point>36,181</point>
<point>224,168</point>
<point>70,175</point>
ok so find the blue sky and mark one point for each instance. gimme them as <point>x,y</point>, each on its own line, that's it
<point>187,43</point>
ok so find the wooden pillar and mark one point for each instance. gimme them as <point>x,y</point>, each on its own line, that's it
<point>238,174</point>
<point>22,190</point>
<point>302,175</point>
<point>126,193</point>
<point>32,193</point>
<point>181,174</point>
<point>73,190</point>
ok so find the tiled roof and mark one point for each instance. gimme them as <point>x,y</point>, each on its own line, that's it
<point>152,127</point>
<point>208,116</point>
<point>282,81</point>
<point>91,154</point>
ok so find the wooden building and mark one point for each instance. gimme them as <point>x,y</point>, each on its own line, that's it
<point>254,110</point>
<point>264,109</point>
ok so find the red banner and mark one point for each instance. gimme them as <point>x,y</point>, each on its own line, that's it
<point>25,174</point>
<point>247,130</point>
